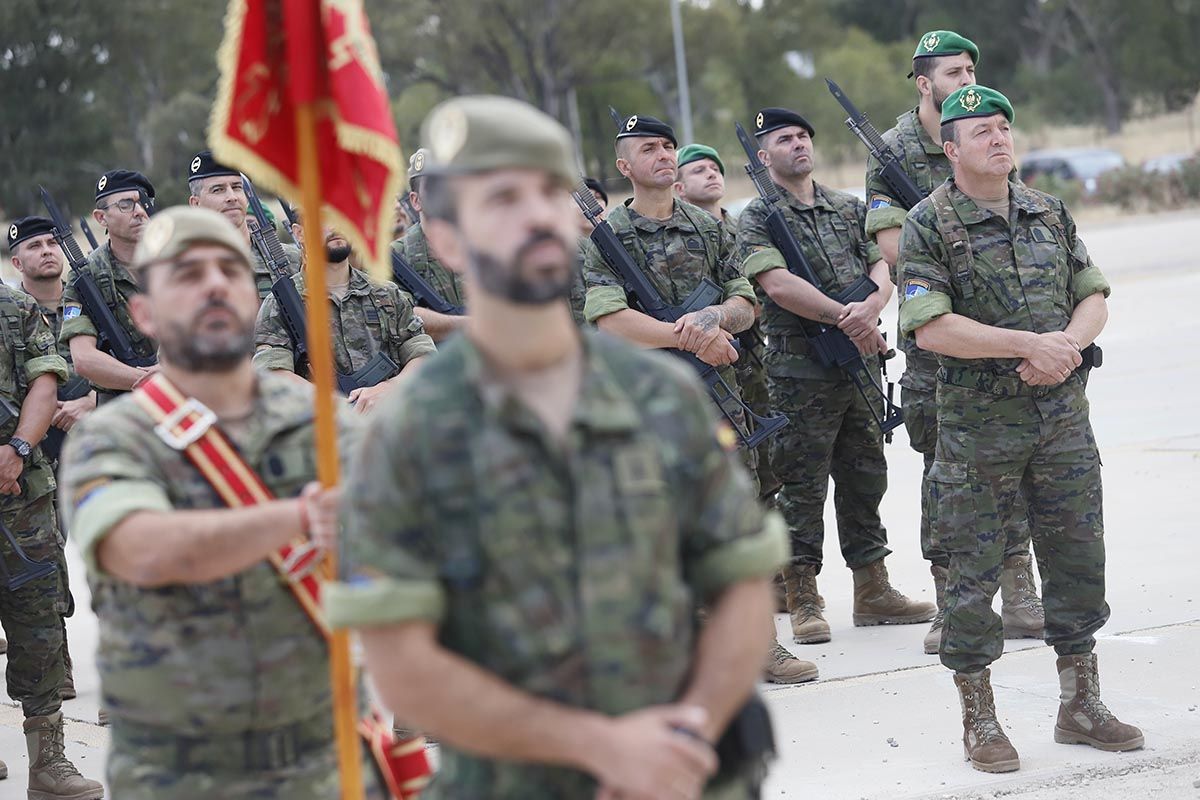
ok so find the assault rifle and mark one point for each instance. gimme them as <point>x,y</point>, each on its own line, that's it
<point>903,190</point>
<point>756,429</point>
<point>112,337</point>
<point>830,346</point>
<point>291,305</point>
<point>407,278</point>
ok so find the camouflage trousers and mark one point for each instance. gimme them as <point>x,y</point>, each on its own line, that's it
<point>1000,443</point>
<point>150,763</point>
<point>830,434</point>
<point>752,378</point>
<point>31,613</point>
<point>920,420</point>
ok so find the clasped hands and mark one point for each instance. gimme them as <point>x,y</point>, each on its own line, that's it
<point>1051,359</point>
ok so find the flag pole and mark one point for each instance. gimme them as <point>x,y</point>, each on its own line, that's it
<point>320,358</point>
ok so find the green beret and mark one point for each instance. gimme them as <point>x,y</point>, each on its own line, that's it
<point>695,152</point>
<point>975,101</point>
<point>481,133</point>
<point>945,43</point>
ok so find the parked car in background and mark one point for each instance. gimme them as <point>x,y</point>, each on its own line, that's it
<point>1083,164</point>
<point>1168,164</point>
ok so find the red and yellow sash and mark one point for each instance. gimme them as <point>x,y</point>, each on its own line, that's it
<point>187,425</point>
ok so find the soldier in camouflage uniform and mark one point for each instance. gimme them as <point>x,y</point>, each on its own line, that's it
<point>367,318</point>
<point>996,281</point>
<point>678,246</point>
<point>700,180</point>
<point>216,186</point>
<point>30,370</point>
<point>415,249</point>
<point>943,62</point>
<point>119,209</point>
<point>531,524</point>
<point>215,678</point>
<point>832,432</point>
<point>578,294</point>
<point>39,259</point>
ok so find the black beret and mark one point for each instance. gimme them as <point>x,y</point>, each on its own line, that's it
<point>27,228</point>
<point>646,126</point>
<point>597,187</point>
<point>772,119</point>
<point>123,180</point>
<point>203,165</point>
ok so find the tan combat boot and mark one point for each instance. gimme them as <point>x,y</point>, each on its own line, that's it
<point>877,602</point>
<point>51,775</point>
<point>984,742</point>
<point>783,667</point>
<point>1082,716</point>
<point>804,605</point>
<point>933,639</point>
<point>781,595</point>
<point>1020,607</point>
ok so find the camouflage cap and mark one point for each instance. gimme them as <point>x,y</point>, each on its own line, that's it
<point>173,230</point>
<point>695,152</point>
<point>481,133</point>
<point>975,101</point>
<point>945,43</point>
<point>27,228</point>
<point>417,164</point>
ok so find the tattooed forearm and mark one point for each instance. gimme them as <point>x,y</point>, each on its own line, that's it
<point>707,318</point>
<point>736,314</point>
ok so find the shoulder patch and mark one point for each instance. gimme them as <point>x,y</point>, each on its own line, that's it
<point>71,310</point>
<point>879,201</point>
<point>915,287</point>
<point>89,489</point>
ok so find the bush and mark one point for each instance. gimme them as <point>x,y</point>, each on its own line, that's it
<point>1069,191</point>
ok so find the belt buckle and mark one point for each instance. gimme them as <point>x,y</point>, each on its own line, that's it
<point>165,430</point>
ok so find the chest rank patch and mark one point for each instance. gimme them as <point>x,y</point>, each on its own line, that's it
<point>915,287</point>
<point>880,201</point>
<point>694,244</point>
<point>1041,234</point>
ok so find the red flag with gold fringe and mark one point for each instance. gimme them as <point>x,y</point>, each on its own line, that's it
<point>281,54</point>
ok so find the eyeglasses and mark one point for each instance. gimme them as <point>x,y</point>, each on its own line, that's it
<point>124,206</point>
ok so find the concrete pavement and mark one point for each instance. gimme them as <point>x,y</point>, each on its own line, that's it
<point>876,685</point>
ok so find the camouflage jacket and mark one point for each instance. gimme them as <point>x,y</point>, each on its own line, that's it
<point>1025,273</point>
<point>263,277</point>
<point>369,318</point>
<point>415,249</point>
<point>27,350</point>
<point>54,319</point>
<point>116,286</point>
<point>231,655</point>
<point>578,292</point>
<point>927,166</point>
<point>831,235</point>
<point>570,571</point>
<point>676,254</point>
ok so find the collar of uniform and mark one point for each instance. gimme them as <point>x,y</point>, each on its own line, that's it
<point>118,268</point>
<point>678,219</point>
<point>968,211</point>
<point>360,284</point>
<point>602,405</point>
<point>820,199</point>
<point>1028,201</point>
<point>912,121</point>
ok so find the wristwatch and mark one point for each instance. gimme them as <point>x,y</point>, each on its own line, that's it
<point>22,447</point>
